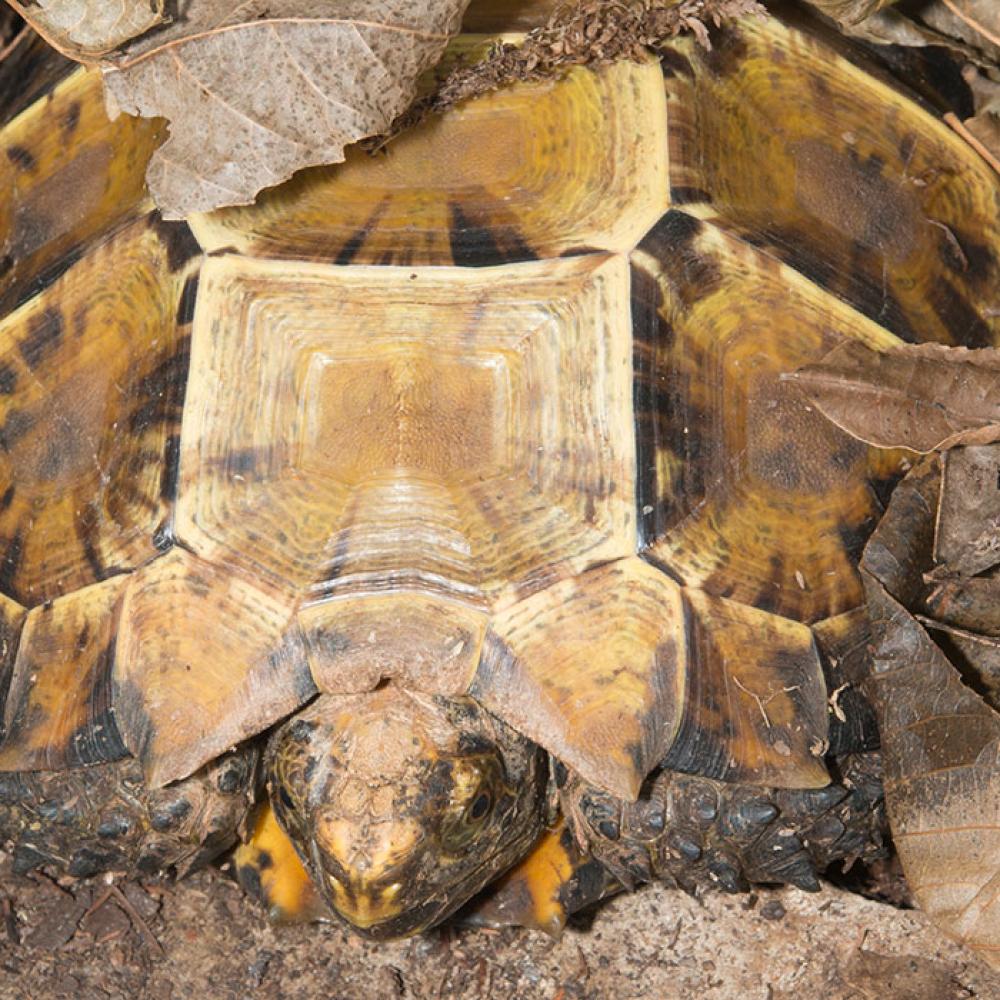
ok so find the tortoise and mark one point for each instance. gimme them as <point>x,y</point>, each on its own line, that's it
<point>440,495</point>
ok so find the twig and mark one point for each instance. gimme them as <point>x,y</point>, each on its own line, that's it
<point>971,22</point>
<point>140,925</point>
<point>952,242</point>
<point>675,934</point>
<point>12,44</point>
<point>757,698</point>
<point>951,119</point>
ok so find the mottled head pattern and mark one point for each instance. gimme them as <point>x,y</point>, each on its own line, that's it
<point>404,805</point>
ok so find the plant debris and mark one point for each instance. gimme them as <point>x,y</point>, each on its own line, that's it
<point>576,34</point>
<point>659,944</point>
<point>932,585</point>
<point>935,686</point>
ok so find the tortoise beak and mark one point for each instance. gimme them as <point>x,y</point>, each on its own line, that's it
<point>362,868</point>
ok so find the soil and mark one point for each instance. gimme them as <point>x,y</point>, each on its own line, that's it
<point>203,939</point>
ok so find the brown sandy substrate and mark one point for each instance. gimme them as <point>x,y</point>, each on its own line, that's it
<point>203,939</point>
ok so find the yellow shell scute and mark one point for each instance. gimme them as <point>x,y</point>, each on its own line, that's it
<point>57,711</point>
<point>423,641</point>
<point>205,658</point>
<point>68,175</point>
<point>594,669</point>
<point>757,698</point>
<point>533,170</point>
<point>91,377</point>
<point>422,400</point>
<point>778,136</point>
<point>750,493</point>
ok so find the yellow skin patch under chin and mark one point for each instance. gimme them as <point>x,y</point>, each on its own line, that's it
<point>530,894</point>
<point>269,869</point>
<point>527,896</point>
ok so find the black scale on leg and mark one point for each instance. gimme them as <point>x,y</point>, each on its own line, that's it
<point>696,833</point>
<point>103,818</point>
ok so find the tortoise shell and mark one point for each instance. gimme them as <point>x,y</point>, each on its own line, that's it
<point>497,413</point>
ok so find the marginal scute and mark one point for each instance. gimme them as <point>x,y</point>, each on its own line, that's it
<point>30,69</point>
<point>534,170</point>
<point>422,641</point>
<point>85,179</point>
<point>756,708</point>
<point>91,380</point>
<point>773,135</point>
<point>593,669</point>
<point>58,710</point>
<point>421,400</point>
<point>844,643</point>
<point>205,658</point>
<point>745,490</point>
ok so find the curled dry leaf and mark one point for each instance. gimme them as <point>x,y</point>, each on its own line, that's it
<point>256,90</point>
<point>937,701</point>
<point>850,12</point>
<point>88,29</point>
<point>924,397</point>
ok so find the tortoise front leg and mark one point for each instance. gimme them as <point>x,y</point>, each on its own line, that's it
<point>103,817</point>
<point>694,832</point>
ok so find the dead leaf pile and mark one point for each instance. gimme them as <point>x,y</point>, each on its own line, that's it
<point>253,90</point>
<point>931,573</point>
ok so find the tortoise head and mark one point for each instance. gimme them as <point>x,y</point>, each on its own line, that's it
<point>403,805</point>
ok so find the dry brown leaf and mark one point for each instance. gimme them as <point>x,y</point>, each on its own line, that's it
<point>976,22</point>
<point>968,27</point>
<point>923,397</point>
<point>938,721</point>
<point>984,125</point>
<point>967,532</point>
<point>256,90</point>
<point>87,29</point>
<point>849,12</point>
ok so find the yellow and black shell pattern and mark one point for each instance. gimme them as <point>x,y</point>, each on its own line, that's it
<point>498,411</point>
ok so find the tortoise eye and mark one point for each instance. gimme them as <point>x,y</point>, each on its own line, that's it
<point>481,806</point>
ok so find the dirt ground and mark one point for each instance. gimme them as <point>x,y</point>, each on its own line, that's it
<point>203,939</point>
